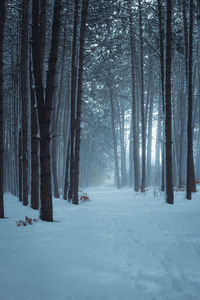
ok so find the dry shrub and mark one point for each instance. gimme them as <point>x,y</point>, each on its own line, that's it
<point>84,198</point>
<point>28,221</point>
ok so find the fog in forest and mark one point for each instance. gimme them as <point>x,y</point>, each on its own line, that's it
<point>99,149</point>
<point>99,93</point>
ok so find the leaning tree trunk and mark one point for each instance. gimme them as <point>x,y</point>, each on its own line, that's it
<point>2,22</point>
<point>44,102</point>
<point>168,121</point>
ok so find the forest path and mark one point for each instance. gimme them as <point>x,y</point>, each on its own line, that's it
<point>155,241</point>
<point>119,246</point>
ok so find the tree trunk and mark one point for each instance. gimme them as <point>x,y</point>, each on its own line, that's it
<point>114,137</point>
<point>2,22</point>
<point>44,102</point>
<point>34,151</point>
<point>191,186</point>
<point>142,188</point>
<point>25,95</point>
<point>79,102</point>
<point>66,183</point>
<point>73,101</point>
<point>20,165</point>
<point>122,143</point>
<point>162,73</point>
<point>134,110</point>
<point>149,144</point>
<point>168,125</point>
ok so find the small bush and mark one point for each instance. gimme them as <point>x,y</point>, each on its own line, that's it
<point>28,221</point>
<point>84,198</point>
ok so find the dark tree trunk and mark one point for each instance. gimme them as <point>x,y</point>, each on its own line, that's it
<point>34,151</point>
<point>73,102</point>
<point>55,143</point>
<point>79,102</point>
<point>185,25</point>
<point>54,168</point>
<point>149,144</point>
<point>142,188</point>
<point>44,102</point>
<point>66,183</point>
<point>2,22</point>
<point>191,187</point>
<point>25,95</point>
<point>161,42</point>
<point>20,166</point>
<point>168,126</point>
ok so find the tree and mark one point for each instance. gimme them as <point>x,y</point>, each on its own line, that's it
<point>134,107</point>
<point>168,134</point>
<point>34,150</point>
<point>190,163</point>
<point>2,22</point>
<point>142,102</point>
<point>73,103</point>
<point>162,74</point>
<point>79,101</point>
<point>44,100</point>
<point>25,96</point>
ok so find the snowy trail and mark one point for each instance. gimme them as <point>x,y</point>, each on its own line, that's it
<point>120,246</point>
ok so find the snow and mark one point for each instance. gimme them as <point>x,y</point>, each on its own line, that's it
<point>119,246</point>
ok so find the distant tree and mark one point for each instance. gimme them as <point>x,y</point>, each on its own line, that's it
<point>2,22</point>
<point>114,131</point>
<point>134,106</point>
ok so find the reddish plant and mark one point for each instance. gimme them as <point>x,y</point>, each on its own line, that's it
<point>84,198</point>
<point>28,221</point>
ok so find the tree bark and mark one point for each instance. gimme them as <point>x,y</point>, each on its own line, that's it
<point>2,23</point>
<point>191,186</point>
<point>142,188</point>
<point>134,110</point>
<point>34,151</point>
<point>162,73</point>
<point>114,136</point>
<point>73,101</point>
<point>25,96</point>
<point>168,126</point>
<point>75,199</point>
<point>44,102</point>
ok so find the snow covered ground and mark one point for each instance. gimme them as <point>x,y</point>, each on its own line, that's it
<point>119,246</point>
